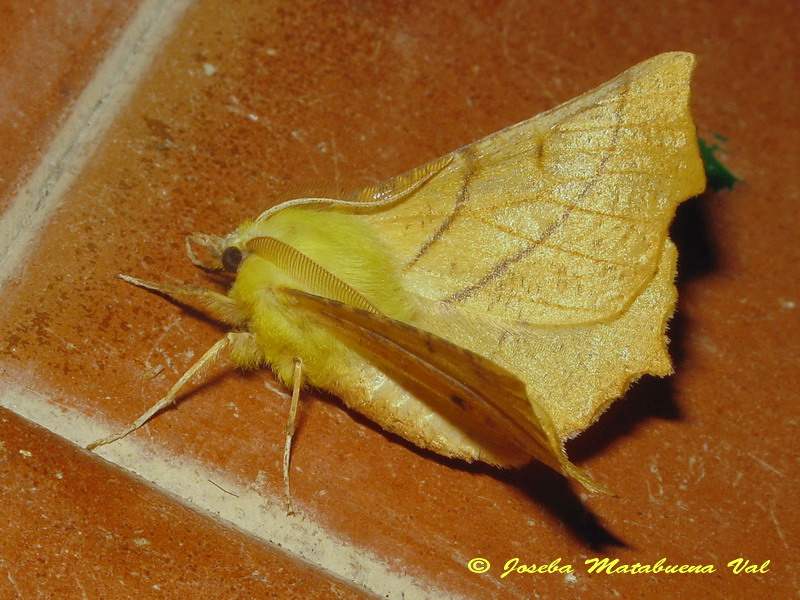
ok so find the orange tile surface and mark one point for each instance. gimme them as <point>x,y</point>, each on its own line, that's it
<point>250,102</point>
<point>75,526</point>
<point>48,52</point>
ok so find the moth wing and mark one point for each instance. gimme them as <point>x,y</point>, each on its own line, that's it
<point>482,398</point>
<point>574,372</point>
<point>564,216</point>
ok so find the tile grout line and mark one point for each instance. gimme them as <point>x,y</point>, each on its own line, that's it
<point>240,506</point>
<point>92,113</point>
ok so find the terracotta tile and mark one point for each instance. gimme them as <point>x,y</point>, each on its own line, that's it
<point>75,526</point>
<point>48,52</point>
<point>249,103</point>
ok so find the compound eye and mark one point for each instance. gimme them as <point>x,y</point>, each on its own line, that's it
<point>231,259</point>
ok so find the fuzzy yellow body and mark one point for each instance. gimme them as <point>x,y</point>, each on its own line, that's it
<point>341,244</point>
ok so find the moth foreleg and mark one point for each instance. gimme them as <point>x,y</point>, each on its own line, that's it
<point>207,360</point>
<point>214,304</point>
<point>291,423</point>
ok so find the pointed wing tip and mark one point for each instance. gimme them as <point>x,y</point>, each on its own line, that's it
<point>678,57</point>
<point>672,66</point>
<point>587,482</point>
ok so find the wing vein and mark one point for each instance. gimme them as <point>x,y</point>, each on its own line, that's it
<point>501,267</point>
<point>461,200</point>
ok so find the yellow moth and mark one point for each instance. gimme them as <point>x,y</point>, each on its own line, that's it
<point>486,306</point>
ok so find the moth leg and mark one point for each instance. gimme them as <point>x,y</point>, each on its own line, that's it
<point>291,423</point>
<point>216,305</point>
<point>209,358</point>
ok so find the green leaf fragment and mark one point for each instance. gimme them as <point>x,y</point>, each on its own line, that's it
<point>719,177</point>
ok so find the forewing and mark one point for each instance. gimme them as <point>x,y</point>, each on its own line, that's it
<point>563,217</point>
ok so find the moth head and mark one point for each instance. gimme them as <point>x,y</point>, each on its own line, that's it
<point>233,248</point>
<point>215,253</point>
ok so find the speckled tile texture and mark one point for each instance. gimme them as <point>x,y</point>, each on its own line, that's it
<point>76,527</point>
<point>250,102</point>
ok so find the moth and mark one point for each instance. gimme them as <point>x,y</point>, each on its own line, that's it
<point>486,306</point>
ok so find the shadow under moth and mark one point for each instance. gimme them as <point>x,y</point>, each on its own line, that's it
<point>488,305</point>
